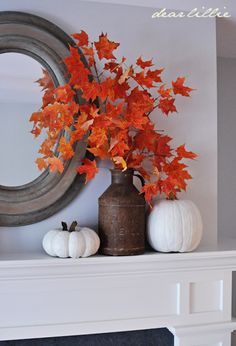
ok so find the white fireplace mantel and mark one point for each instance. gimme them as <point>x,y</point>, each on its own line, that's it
<point>191,294</point>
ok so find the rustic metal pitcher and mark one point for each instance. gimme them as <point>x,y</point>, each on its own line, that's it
<point>122,216</point>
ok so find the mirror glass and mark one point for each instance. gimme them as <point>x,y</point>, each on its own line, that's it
<point>20,95</point>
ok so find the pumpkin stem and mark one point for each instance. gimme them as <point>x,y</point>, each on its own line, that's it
<point>172,197</point>
<point>64,226</point>
<point>72,226</point>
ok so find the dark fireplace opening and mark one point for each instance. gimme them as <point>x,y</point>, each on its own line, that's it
<point>150,337</point>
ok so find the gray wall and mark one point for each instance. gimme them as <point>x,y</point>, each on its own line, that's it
<point>227,146</point>
<point>193,56</point>
<point>226,70</point>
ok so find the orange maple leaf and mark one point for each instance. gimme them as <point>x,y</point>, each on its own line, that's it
<point>155,75</point>
<point>79,73</point>
<point>36,131</point>
<point>143,79</point>
<point>65,149</point>
<point>46,81</point>
<point>111,66</point>
<point>121,85</point>
<point>139,101</point>
<point>64,93</point>
<point>183,153</point>
<point>82,38</point>
<point>167,105</point>
<point>46,147</point>
<point>101,122</point>
<point>79,131</point>
<point>98,137</point>
<point>179,88</point>
<point>113,141</point>
<point>41,163</point>
<point>119,149</point>
<point>150,190</point>
<point>143,64</point>
<point>177,174</point>
<point>164,92</point>
<point>35,117</point>
<point>146,139</point>
<point>105,47</point>
<point>88,51</point>
<point>89,168</point>
<point>111,111</point>
<point>162,147</point>
<point>135,160</point>
<point>137,119</point>
<point>55,164</point>
<point>125,75</point>
<point>90,90</point>
<point>168,187</point>
<point>106,89</point>
<point>48,98</point>
<point>93,110</point>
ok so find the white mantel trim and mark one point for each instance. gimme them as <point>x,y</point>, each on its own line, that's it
<point>46,266</point>
<point>189,293</point>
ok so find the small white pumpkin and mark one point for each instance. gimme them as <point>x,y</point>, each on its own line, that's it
<point>174,226</point>
<point>75,242</point>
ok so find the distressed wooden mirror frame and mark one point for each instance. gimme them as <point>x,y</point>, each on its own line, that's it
<point>49,45</point>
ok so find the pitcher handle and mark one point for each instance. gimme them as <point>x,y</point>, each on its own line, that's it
<point>141,178</point>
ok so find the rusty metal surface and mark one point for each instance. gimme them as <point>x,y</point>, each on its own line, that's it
<point>122,217</point>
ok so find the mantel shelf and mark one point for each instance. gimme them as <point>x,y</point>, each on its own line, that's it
<point>221,256</point>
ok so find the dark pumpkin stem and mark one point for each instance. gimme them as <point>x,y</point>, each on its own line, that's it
<point>73,226</point>
<point>64,226</point>
<point>172,197</point>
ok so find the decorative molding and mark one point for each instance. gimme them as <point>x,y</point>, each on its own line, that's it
<point>204,328</point>
<point>41,265</point>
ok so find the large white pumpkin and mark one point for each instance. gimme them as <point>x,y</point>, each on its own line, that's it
<point>174,226</point>
<point>79,242</point>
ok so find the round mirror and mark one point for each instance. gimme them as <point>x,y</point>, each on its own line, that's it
<point>20,95</point>
<point>29,43</point>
